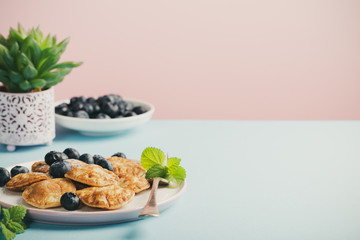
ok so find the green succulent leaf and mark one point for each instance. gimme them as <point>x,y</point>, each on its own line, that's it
<point>62,45</point>
<point>53,82</point>
<point>16,77</point>
<point>53,41</point>
<point>3,40</point>
<point>15,35</point>
<point>48,64</point>
<point>51,75</point>
<point>3,73</point>
<point>21,31</point>
<point>37,35</point>
<point>29,72</point>
<point>67,65</point>
<point>14,49</point>
<point>4,80</point>
<point>48,52</point>
<point>25,85</point>
<point>38,83</point>
<point>35,53</point>
<point>64,71</point>
<point>6,58</point>
<point>47,42</point>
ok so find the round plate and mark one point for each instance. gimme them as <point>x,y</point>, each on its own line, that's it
<point>91,216</point>
<point>104,127</point>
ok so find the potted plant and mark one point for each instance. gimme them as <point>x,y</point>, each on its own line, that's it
<point>29,69</point>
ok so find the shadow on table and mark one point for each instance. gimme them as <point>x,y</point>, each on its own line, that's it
<point>128,230</point>
<point>64,134</point>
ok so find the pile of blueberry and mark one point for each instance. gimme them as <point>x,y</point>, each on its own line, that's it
<point>108,106</point>
<point>58,167</point>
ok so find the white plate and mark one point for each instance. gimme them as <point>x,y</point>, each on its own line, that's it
<point>91,216</point>
<point>103,127</point>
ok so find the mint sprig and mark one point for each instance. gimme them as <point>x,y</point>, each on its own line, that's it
<point>12,221</point>
<point>152,159</point>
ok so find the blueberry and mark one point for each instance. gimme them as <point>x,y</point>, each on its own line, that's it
<point>89,108</point>
<point>130,114</point>
<point>110,109</point>
<point>18,169</point>
<point>73,100</point>
<point>97,158</point>
<point>70,114</point>
<point>77,106</point>
<point>4,176</point>
<point>128,106</point>
<point>59,168</point>
<point>96,108</point>
<point>54,156</point>
<point>90,100</point>
<point>81,114</point>
<point>105,164</point>
<point>72,153</point>
<point>122,108</point>
<point>87,158</point>
<point>82,99</point>
<point>139,110</point>
<point>62,109</point>
<point>119,154</point>
<point>102,116</point>
<point>115,98</point>
<point>70,201</point>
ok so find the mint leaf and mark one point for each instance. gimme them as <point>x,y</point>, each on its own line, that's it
<point>178,175</point>
<point>17,213</point>
<point>151,156</point>
<point>23,224</point>
<point>15,227</point>
<point>173,163</point>
<point>6,232</point>
<point>156,171</point>
<point>6,216</point>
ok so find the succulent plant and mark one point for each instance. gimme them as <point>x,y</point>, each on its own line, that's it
<point>29,61</point>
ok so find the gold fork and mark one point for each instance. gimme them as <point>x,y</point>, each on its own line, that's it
<point>151,208</point>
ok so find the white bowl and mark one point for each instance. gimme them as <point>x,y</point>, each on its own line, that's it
<point>104,127</point>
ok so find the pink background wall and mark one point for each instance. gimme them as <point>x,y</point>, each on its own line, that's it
<point>209,59</point>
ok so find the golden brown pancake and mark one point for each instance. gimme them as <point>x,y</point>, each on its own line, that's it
<point>75,163</point>
<point>135,183</point>
<point>22,180</point>
<point>40,166</point>
<point>47,194</point>
<point>92,175</point>
<point>123,166</point>
<point>109,197</point>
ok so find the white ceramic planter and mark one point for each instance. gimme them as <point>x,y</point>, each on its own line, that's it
<point>27,118</point>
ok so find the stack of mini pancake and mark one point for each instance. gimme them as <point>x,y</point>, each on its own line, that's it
<point>95,186</point>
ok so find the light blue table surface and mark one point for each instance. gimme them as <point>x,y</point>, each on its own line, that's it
<point>245,180</point>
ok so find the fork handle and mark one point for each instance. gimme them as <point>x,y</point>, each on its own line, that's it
<point>151,208</point>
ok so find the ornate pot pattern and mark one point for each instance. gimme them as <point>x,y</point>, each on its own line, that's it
<point>27,118</point>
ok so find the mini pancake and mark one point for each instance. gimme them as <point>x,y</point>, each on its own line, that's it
<point>135,183</point>
<point>75,163</point>
<point>23,180</point>
<point>47,194</point>
<point>92,175</point>
<point>109,197</point>
<point>123,166</point>
<point>40,166</point>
